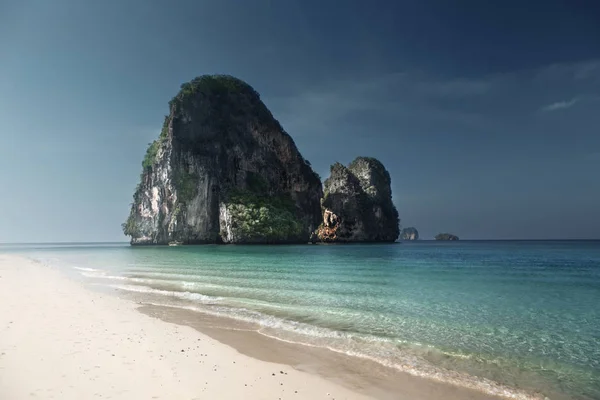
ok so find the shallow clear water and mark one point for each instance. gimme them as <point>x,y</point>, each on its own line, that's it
<point>489,315</point>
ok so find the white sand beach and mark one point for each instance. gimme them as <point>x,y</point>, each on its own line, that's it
<point>59,340</point>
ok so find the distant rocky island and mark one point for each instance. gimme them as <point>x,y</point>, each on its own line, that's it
<point>445,236</point>
<point>409,234</point>
<point>223,170</point>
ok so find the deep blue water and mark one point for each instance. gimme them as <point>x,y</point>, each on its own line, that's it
<point>493,315</point>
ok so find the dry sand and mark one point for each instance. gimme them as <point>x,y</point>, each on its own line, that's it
<point>61,340</point>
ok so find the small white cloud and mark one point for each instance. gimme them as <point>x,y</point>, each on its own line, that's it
<point>587,70</point>
<point>560,105</point>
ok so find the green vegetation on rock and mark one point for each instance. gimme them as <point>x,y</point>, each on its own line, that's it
<point>256,183</point>
<point>176,212</point>
<point>150,156</point>
<point>129,227</point>
<point>445,236</point>
<point>217,84</point>
<point>152,151</point>
<point>187,185</point>
<point>374,164</point>
<point>270,218</point>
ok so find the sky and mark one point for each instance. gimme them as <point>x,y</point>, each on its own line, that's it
<point>485,113</point>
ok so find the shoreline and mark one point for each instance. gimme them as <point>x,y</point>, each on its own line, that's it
<point>373,369</point>
<point>61,340</point>
<point>349,377</point>
<point>358,374</point>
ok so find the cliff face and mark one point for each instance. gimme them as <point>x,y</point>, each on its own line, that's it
<point>357,204</point>
<point>223,171</point>
<point>409,234</point>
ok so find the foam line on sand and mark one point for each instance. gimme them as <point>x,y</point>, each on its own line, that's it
<point>60,340</point>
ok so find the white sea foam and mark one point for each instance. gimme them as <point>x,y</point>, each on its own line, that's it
<point>86,269</point>
<point>381,350</point>
<point>345,343</point>
<point>143,281</point>
<point>182,295</point>
<point>104,275</point>
<point>417,367</point>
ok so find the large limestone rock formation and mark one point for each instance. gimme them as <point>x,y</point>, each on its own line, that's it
<point>223,171</point>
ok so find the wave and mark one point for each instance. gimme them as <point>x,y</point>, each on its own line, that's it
<point>86,269</point>
<point>434,373</point>
<point>102,275</point>
<point>197,297</point>
<point>396,354</point>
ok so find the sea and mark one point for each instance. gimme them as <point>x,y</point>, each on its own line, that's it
<point>516,318</point>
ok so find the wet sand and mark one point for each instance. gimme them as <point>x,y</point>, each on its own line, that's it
<point>362,376</point>
<point>61,340</point>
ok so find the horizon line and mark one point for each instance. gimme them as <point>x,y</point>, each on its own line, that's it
<point>418,240</point>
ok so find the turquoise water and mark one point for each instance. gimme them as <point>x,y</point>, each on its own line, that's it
<point>514,318</point>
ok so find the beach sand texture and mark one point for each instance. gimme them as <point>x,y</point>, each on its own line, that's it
<point>61,340</point>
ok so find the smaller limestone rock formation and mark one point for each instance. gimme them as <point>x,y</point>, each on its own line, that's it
<point>446,236</point>
<point>409,234</point>
<point>357,204</point>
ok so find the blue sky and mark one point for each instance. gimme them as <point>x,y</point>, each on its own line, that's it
<point>485,113</point>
